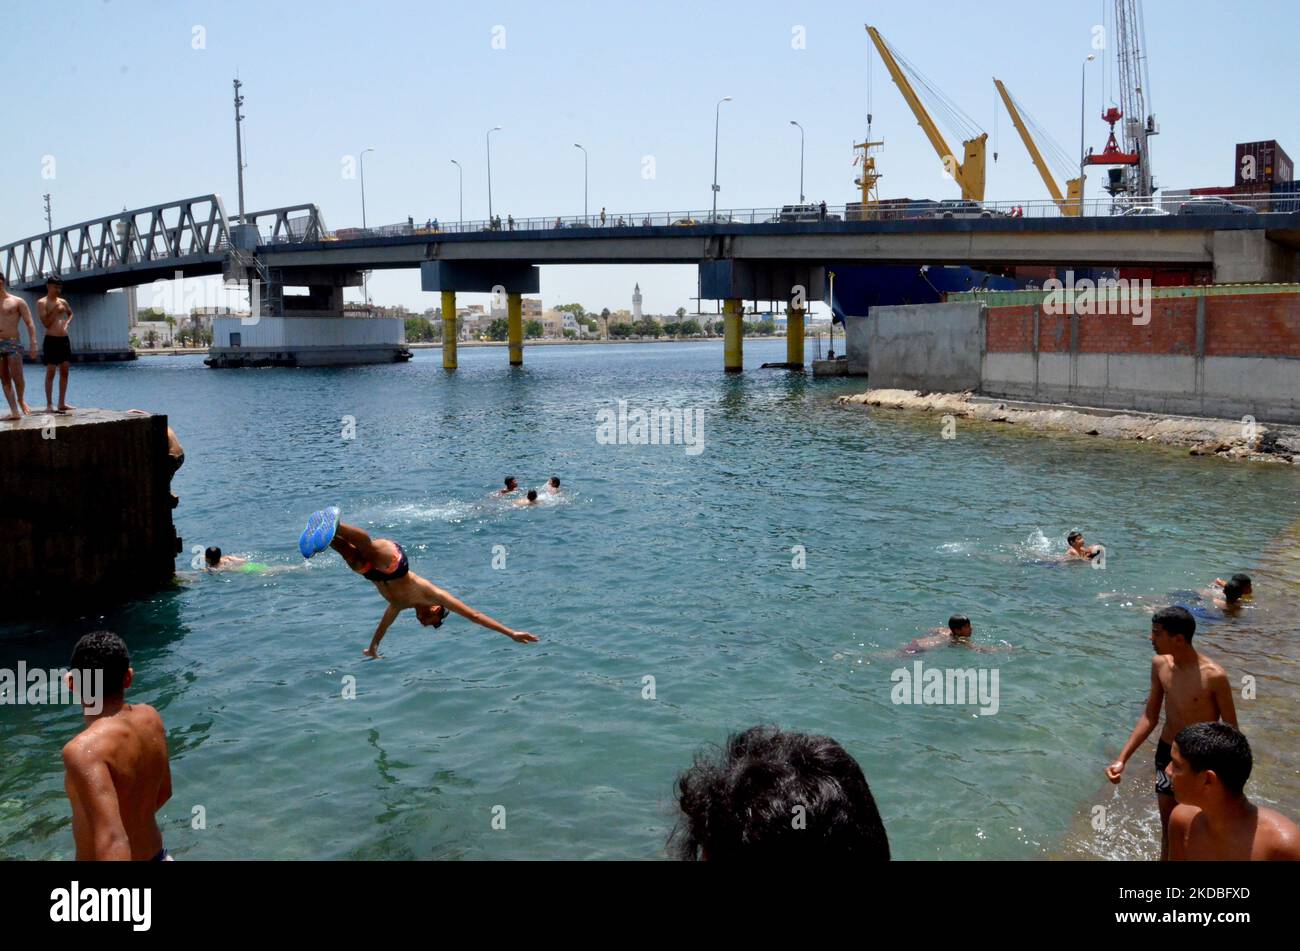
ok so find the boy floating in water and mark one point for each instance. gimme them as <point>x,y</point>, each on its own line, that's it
<point>1078,551</point>
<point>1229,594</point>
<point>957,633</point>
<point>512,485</point>
<point>384,563</point>
<point>1214,821</point>
<point>529,499</point>
<point>116,772</point>
<point>215,561</point>
<point>1191,688</point>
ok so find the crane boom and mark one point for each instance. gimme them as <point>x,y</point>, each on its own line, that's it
<point>969,173</point>
<point>1069,203</point>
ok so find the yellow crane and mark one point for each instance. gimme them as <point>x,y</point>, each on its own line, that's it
<point>1070,203</point>
<point>969,172</point>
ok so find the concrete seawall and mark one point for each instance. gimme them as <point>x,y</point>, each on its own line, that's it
<point>87,514</point>
<point>1214,351</point>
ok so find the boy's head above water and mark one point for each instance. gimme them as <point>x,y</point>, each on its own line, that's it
<point>1170,624</point>
<point>959,626</point>
<point>212,556</point>
<point>1238,587</point>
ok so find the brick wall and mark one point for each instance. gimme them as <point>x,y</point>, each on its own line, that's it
<point>1247,325</point>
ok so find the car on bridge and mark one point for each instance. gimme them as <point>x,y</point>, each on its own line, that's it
<point>804,213</point>
<point>1213,205</point>
<point>1143,211</point>
<point>685,223</point>
<point>961,208</point>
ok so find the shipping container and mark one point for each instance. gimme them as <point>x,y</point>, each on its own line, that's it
<point>1224,190</point>
<point>1262,162</point>
<point>1286,197</point>
<point>1257,196</point>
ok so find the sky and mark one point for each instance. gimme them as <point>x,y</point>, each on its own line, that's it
<point>118,103</point>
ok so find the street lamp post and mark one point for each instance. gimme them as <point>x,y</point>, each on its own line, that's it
<point>584,181</point>
<point>461,203</point>
<point>1083,112</point>
<point>717,113</point>
<point>792,122</point>
<point>365,278</point>
<point>488,138</point>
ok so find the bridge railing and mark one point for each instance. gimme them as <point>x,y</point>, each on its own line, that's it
<point>888,210</point>
<point>172,231</point>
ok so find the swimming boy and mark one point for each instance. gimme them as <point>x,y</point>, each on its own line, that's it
<point>957,634</point>
<point>1077,550</point>
<point>1214,821</point>
<point>1191,688</point>
<point>55,313</point>
<point>215,561</point>
<point>1231,592</point>
<point>529,499</point>
<point>116,772</point>
<point>14,310</point>
<point>553,485</point>
<point>512,485</point>
<point>383,562</point>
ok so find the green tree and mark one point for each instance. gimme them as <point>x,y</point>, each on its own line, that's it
<point>151,338</point>
<point>499,329</point>
<point>672,329</point>
<point>766,327</point>
<point>575,309</point>
<point>681,313</point>
<point>570,334</point>
<point>534,329</point>
<point>620,330</point>
<point>418,329</point>
<point>648,327</point>
<point>690,328</point>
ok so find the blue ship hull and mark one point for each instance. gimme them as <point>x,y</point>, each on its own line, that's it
<point>858,288</point>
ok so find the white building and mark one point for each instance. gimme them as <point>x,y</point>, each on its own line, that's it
<point>636,303</point>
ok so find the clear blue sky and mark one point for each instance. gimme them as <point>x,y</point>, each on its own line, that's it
<point>133,114</point>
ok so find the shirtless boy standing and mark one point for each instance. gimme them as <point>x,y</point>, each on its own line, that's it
<point>1214,821</point>
<point>1190,687</point>
<point>55,313</point>
<point>116,772</point>
<point>13,310</point>
<point>383,562</point>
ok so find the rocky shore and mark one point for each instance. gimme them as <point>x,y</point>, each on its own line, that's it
<point>1227,438</point>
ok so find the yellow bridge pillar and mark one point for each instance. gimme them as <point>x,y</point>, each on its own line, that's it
<point>515,328</point>
<point>733,346</point>
<point>794,336</point>
<point>449,330</point>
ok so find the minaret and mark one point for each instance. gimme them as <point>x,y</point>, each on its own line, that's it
<point>636,303</point>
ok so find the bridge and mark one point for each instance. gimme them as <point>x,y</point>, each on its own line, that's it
<point>750,254</point>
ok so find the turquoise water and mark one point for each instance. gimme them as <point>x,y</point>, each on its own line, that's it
<point>656,563</point>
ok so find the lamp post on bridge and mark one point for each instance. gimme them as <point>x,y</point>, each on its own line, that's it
<point>584,181</point>
<point>793,123</point>
<point>488,139</point>
<point>717,114</point>
<point>365,279</point>
<point>1083,112</point>
<point>461,204</point>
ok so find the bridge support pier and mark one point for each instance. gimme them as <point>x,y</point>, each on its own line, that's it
<point>794,335</point>
<point>733,342</point>
<point>449,330</point>
<point>515,327</point>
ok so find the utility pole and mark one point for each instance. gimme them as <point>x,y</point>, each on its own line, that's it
<point>239,148</point>
<point>49,218</point>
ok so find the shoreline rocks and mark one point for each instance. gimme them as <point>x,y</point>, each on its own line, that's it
<point>1226,438</point>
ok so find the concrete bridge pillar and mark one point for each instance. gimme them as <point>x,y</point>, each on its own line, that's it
<point>449,330</point>
<point>1249,257</point>
<point>794,335</point>
<point>515,326</point>
<point>733,342</point>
